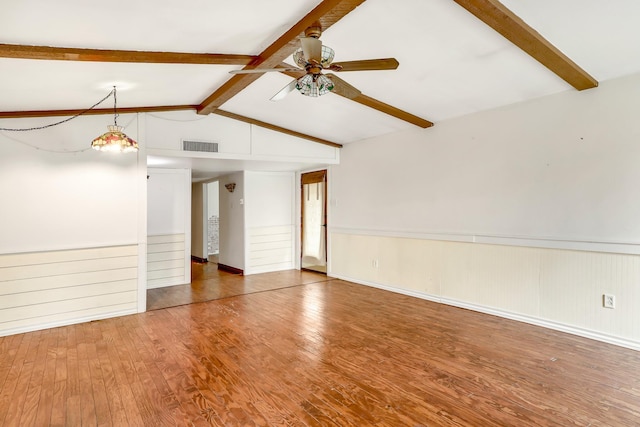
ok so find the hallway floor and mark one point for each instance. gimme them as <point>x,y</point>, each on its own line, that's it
<point>208,283</point>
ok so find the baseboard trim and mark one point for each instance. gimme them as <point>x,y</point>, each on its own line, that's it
<point>585,333</point>
<point>170,281</point>
<point>230,269</point>
<point>199,260</point>
<point>251,271</point>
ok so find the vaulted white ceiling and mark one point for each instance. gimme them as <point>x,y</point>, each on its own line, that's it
<point>451,63</point>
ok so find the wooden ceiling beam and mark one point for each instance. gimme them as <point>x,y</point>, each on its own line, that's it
<point>326,14</point>
<point>392,111</point>
<point>504,21</point>
<point>102,55</point>
<point>93,112</point>
<point>372,103</point>
<point>275,128</point>
<point>129,110</point>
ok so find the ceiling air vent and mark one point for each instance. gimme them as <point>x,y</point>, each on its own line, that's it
<point>202,146</point>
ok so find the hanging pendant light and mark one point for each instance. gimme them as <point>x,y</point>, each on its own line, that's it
<point>114,139</point>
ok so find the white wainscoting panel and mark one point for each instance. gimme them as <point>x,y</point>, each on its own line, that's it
<point>504,278</point>
<point>166,261</point>
<point>551,287</point>
<point>354,255</point>
<point>573,283</point>
<point>270,249</point>
<point>409,263</point>
<point>46,289</point>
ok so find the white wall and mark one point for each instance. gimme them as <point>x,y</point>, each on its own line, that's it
<point>53,200</point>
<point>70,217</point>
<point>270,219</point>
<point>560,167</point>
<point>168,201</point>
<point>232,222</point>
<point>168,227</point>
<point>528,211</point>
<point>236,140</point>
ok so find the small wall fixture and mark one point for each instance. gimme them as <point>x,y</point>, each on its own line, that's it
<point>230,187</point>
<point>114,139</point>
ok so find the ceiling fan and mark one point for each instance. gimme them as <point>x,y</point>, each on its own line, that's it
<point>312,58</point>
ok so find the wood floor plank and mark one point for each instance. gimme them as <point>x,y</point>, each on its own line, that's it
<point>114,402</point>
<point>117,373</point>
<point>14,409</point>
<point>44,405</point>
<point>153,360</point>
<point>146,395</point>
<point>85,388</point>
<point>72,383</point>
<point>120,356</point>
<point>130,406</point>
<point>35,388</point>
<point>9,347</point>
<point>16,385</point>
<point>7,393</point>
<point>60,388</point>
<point>59,404</point>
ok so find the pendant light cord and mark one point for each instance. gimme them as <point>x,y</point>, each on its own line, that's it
<point>115,109</point>
<point>113,92</point>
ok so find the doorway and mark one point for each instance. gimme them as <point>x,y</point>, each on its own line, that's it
<point>314,221</point>
<point>213,221</point>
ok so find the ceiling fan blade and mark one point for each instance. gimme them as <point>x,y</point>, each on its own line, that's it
<point>262,70</point>
<point>285,91</point>
<point>366,65</point>
<point>312,49</point>
<point>343,88</point>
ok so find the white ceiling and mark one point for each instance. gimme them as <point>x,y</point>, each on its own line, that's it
<point>451,64</point>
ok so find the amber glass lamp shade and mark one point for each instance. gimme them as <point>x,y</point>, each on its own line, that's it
<point>114,140</point>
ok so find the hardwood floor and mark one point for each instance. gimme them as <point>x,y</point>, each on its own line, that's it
<point>322,353</point>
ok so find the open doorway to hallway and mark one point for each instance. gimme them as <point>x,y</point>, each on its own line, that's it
<point>314,221</point>
<point>213,221</point>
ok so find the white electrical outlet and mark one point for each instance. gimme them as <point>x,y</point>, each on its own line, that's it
<point>608,301</point>
<point>374,263</point>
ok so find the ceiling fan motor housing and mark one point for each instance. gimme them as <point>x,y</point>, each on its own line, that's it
<point>314,32</point>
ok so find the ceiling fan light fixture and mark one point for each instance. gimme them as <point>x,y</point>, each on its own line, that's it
<point>314,85</point>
